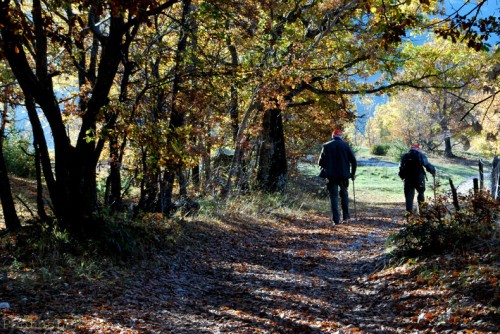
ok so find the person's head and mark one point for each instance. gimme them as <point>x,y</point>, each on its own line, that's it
<point>337,134</point>
<point>415,147</point>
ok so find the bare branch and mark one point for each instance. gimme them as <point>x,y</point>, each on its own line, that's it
<point>411,84</point>
<point>475,104</point>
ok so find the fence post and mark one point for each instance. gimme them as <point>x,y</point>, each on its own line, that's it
<point>455,196</point>
<point>495,178</point>
<point>476,185</point>
<point>481,174</point>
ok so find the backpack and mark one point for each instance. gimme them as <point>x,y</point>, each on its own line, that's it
<point>411,165</point>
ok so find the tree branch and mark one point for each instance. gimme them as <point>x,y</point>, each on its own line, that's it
<point>152,12</point>
<point>94,27</point>
<point>475,104</point>
<point>411,84</point>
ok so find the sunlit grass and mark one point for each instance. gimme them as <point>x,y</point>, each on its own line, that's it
<point>457,172</point>
<point>378,185</point>
<point>381,184</point>
<point>375,186</point>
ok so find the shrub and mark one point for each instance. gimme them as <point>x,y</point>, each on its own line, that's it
<point>380,149</point>
<point>440,229</point>
<point>117,236</point>
<point>397,150</point>
<point>18,158</point>
<point>111,237</point>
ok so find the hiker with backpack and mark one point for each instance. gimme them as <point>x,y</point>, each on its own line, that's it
<point>412,169</point>
<point>338,165</point>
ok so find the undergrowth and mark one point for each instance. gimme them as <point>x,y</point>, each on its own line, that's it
<point>441,227</point>
<point>47,252</point>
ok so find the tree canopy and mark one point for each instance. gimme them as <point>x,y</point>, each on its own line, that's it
<point>150,89</point>
<point>457,100</point>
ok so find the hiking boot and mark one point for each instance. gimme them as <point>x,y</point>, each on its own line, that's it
<point>346,221</point>
<point>408,216</point>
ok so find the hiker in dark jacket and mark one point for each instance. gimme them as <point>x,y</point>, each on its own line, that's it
<point>338,165</point>
<point>411,170</point>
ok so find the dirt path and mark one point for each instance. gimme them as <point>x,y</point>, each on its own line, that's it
<point>276,276</point>
<point>279,275</point>
<point>286,276</point>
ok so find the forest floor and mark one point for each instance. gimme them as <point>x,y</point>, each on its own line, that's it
<point>280,271</point>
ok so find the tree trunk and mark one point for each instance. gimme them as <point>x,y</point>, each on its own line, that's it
<point>195,177</point>
<point>150,190</point>
<point>42,158</point>
<point>177,116</point>
<point>233,104</point>
<point>444,107</point>
<point>39,185</point>
<point>166,190</point>
<point>241,171</point>
<point>207,169</point>
<point>9,209</point>
<point>238,144</point>
<point>448,148</point>
<point>272,167</point>
<point>114,182</point>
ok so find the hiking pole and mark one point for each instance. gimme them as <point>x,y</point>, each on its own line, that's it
<point>354,198</point>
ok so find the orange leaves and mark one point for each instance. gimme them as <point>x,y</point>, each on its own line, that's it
<point>269,271</point>
<point>425,317</point>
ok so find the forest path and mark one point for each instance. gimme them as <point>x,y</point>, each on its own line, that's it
<point>275,274</point>
<point>279,275</point>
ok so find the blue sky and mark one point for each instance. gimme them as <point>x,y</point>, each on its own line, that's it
<point>489,8</point>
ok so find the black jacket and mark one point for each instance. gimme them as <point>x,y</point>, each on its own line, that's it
<point>337,160</point>
<point>415,173</point>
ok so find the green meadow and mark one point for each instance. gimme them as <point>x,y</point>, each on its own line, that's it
<point>377,179</point>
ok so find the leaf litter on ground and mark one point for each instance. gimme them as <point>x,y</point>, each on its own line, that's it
<point>276,273</point>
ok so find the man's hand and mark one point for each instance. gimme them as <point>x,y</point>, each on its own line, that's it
<point>353,177</point>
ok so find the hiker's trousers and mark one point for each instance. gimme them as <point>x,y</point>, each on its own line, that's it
<point>409,189</point>
<point>336,188</point>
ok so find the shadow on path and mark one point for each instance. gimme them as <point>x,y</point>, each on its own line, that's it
<point>282,275</point>
<point>278,274</point>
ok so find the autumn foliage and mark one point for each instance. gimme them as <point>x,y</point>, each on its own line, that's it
<point>440,228</point>
<point>138,95</point>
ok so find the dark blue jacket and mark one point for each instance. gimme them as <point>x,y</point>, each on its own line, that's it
<point>412,173</point>
<point>337,160</point>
